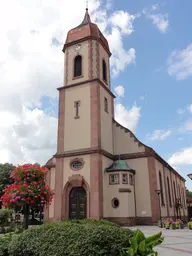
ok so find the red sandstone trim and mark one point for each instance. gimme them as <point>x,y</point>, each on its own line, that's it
<point>90,59</point>
<point>61,117</point>
<point>74,181</point>
<point>46,211</point>
<point>88,81</point>
<point>98,60</point>
<point>66,67</point>
<point>58,189</point>
<point>153,187</point>
<point>103,152</point>
<point>96,187</point>
<point>86,39</point>
<point>95,116</point>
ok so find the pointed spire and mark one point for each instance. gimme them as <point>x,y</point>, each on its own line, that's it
<point>86,19</point>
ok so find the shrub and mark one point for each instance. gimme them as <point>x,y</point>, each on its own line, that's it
<point>5,214</point>
<point>4,244</point>
<point>79,238</point>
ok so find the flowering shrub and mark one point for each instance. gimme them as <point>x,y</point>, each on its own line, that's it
<point>29,189</point>
<point>171,222</point>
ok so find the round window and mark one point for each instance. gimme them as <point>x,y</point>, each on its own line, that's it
<point>115,202</point>
<point>76,165</point>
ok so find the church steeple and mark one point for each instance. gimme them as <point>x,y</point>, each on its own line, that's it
<point>86,30</point>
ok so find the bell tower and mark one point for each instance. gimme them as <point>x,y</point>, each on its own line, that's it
<point>86,54</point>
<point>85,118</point>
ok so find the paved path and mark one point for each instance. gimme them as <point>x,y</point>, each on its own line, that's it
<point>176,242</point>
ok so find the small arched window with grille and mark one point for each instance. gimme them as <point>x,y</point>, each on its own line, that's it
<point>104,71</point>
<point>161,188</point>
<point>78,66</point>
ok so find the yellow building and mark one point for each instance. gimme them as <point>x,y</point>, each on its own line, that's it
<point>101,170</point>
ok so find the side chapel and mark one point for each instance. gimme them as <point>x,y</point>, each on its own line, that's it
<point>100,169</point>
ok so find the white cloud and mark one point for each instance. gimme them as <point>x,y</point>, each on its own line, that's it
<point>180,111</point>
<point>180,63</point>
<point>190,108</point>
<point>159,135</point>
<point>128,117</point>
<point>123,21</point>
<point>142,97</point>
<point>188,125</point>
<point>155,7</point>
<point>182,157</point>
<point>120,58</point>
<point>29,136</point>
<point>161,21</point>
<point>120,90</point>
<point>31,67</point>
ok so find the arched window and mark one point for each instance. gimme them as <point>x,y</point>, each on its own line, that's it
<point>104,71</point>
<point>161,188</point>
<point>169,192</point>
<point>179,192</point>
<point>174,190</point>
<point>77,66</point>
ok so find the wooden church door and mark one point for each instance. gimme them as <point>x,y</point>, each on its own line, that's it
<point>78,203</point>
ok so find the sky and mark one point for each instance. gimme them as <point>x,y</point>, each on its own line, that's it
<point>151,73</point>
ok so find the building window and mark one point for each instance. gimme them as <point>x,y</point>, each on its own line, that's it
<point>77,105</point>
<point>115,202</point>
<point>169,191</point>
<point>106,104</point>
<point>77,66</point>
<point>124,179</point>
<point>131,179</point>
<point>114,179</point>
<point>104,71</point>
<point>161,188</point>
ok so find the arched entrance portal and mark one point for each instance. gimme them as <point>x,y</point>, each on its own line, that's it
<point>78,203</point>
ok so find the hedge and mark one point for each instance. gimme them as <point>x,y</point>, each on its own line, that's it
<point>79,238</point>
<point>4,244</point>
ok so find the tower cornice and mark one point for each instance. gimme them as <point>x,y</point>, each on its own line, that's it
<point>85,39</point>
<point>85,82</point>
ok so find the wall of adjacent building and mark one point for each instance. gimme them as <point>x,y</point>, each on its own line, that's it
<point>124,142</point>
<point>169,209</point>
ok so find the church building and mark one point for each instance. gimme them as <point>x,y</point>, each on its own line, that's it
<point>101,170</point>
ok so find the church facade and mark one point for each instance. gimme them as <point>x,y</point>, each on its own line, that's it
<point>101,170</point>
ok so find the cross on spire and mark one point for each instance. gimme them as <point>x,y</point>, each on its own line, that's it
<point>87,4</point>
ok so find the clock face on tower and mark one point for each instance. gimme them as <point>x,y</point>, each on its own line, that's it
<point>77,47</point>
